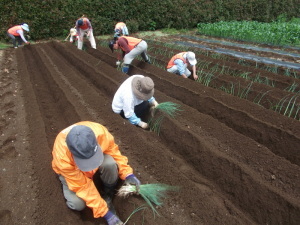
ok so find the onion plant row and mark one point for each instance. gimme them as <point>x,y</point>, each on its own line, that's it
<point>209,74</point>
<point>177,48</point>
<point>216,69</point>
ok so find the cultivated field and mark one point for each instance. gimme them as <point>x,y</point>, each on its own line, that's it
<point>233,150</point>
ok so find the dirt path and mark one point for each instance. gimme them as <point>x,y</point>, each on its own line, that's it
<point>235,161</point>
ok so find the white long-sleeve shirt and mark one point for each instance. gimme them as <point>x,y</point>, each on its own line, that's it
<point>22,35</point>
<point>125,100</point>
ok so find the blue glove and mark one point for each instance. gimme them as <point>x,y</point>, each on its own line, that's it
<point>131,179</point>
<point>112,219</point>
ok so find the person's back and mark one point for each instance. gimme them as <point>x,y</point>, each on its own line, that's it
<point>121,29</point>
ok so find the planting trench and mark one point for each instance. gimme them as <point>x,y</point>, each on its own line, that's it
<point>236,162</point>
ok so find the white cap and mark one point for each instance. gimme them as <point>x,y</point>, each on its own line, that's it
<point>191,58</point>
<point>73,31</point>
<point>25,27</point>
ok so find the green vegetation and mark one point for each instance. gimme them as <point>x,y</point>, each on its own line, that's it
<point>51,19</point>
<point>153,194</point>
<point>4,45</point>
<point>280,32</point>
<point>169,109</point>
<point>142,207</point>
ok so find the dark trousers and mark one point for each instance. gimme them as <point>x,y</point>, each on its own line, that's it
<point>140,110</point>
<point>15,39</point>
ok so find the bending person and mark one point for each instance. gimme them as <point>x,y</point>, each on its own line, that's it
<point>16,34</point>
<point>84,27</point>
<point>121,29</point>
<point>131,48</point>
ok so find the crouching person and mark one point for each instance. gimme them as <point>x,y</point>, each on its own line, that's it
<point>183,64</point>
<point>134,99</point>
<point>81,150</point>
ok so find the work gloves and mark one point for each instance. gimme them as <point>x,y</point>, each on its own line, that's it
<point>112,219</point>
<point>118,63</point>
<point>132,179</point>
<point>143,125</point>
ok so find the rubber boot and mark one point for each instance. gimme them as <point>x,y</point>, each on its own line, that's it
<point>108,194</point>
<point>148,60</point>
<point>125,68</point>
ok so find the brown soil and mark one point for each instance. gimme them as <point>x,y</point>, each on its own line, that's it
<point>234,161</point>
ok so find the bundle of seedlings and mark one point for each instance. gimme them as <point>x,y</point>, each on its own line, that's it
<point>164,109</point>
<point>153,194</point>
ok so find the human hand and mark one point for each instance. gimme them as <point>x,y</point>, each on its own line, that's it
<point>27,43</point>
<point>118,63</point>
<point>133,180</point>
<point>154,103</point>
<point>112,219</point>
<point>143,125</point>
<point>195,77</point>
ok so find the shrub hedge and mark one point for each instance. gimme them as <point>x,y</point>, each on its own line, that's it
<point>53,18</point>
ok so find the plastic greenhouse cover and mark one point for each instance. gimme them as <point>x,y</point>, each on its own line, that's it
<point>247,46</point>
<point>243,55</point>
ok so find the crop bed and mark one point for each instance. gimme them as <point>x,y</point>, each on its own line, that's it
<point>235,159</point>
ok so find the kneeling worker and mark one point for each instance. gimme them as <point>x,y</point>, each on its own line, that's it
<point>134,99</point>
<point>81,150</point>
<point>182,63</point>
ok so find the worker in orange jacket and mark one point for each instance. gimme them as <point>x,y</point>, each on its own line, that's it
<point>121,29</point>
<point>182,63</point>
<point>131,48</point>
<point>16,33</point>
<point>84,27</point>
<point>80,151</point>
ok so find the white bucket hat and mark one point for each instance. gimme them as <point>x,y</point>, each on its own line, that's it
<point>25,27</point>
<point>73,31</point>
<point>191,58</point>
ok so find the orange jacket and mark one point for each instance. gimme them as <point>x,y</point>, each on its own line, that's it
<point>120,25</point>
<point>85,24</point>
<point>14,29</point>
<point>81,182</point>
<point>177,56</point>
<point>132,42</point>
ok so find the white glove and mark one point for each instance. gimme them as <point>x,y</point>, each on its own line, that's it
<point>143,125</point>
<point>118,63</point>
<point>154,103</point>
